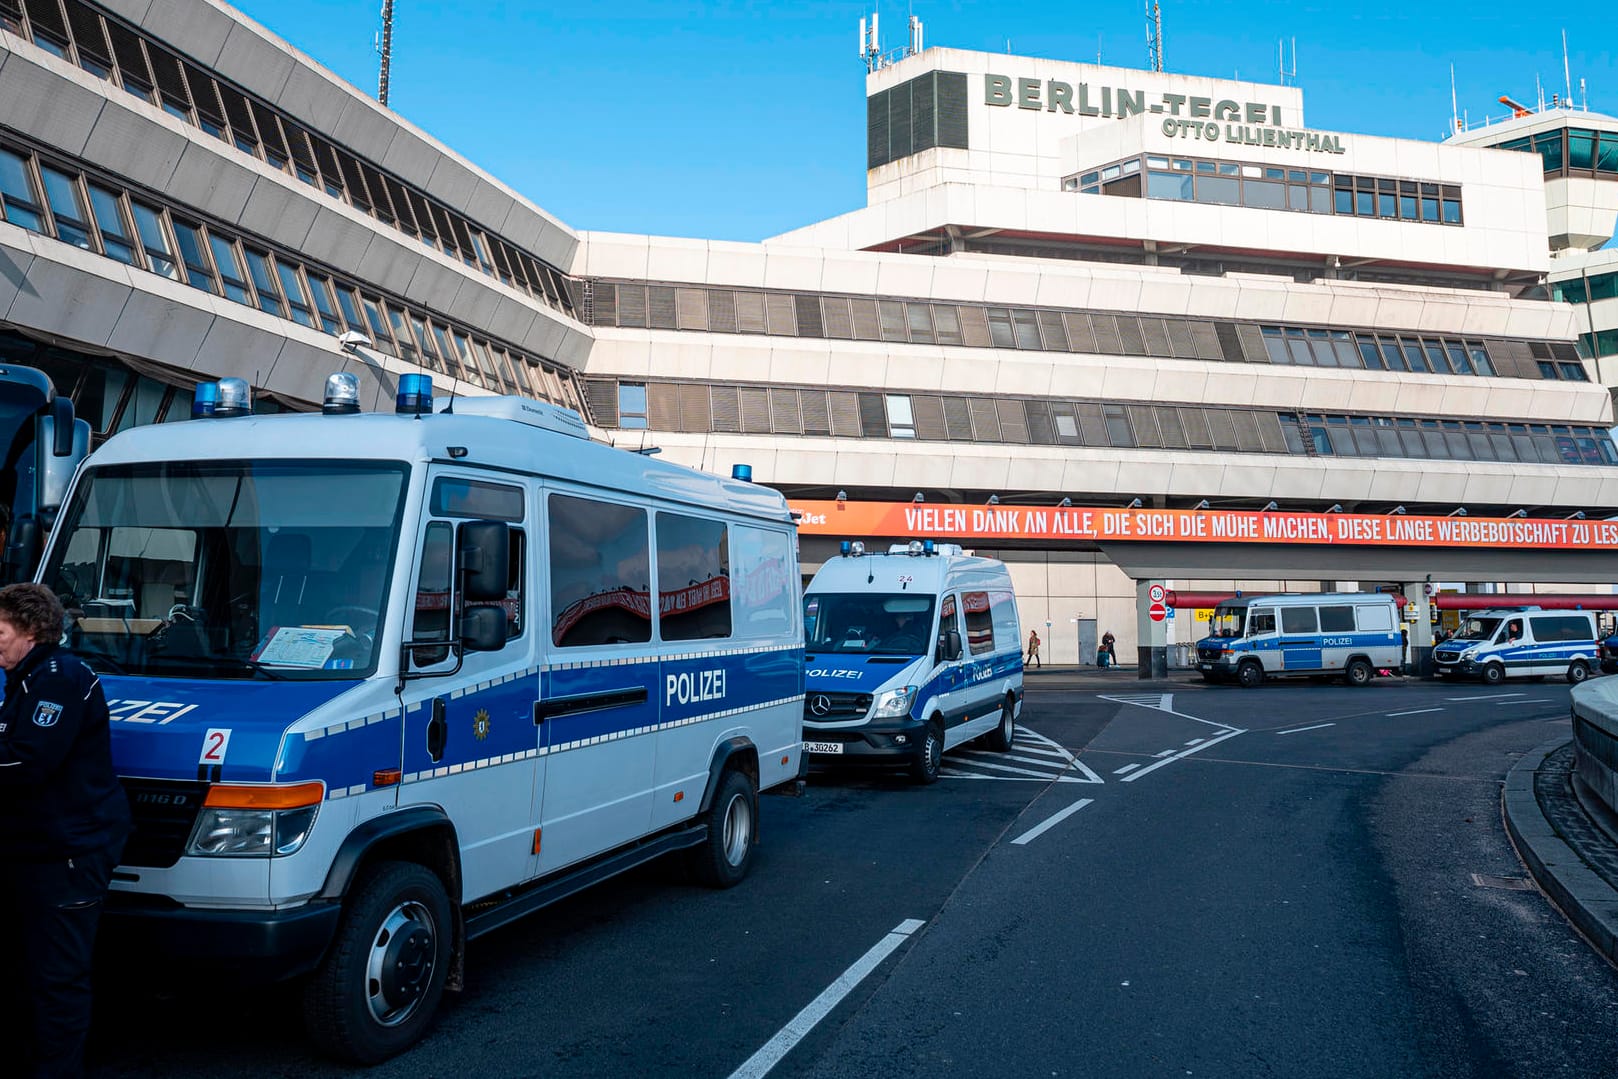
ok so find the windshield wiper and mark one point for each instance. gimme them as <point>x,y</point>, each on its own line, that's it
<point>98,660</point>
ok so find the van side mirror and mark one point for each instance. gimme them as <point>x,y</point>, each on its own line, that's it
<point>485,555</point>
<point>62,427</point>
<point>22,550</point>
<point>483,629</point>
<point>949,646</point>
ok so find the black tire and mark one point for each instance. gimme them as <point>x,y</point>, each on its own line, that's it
<point>1358,673</point>
<point>375,993</point>
<point>1001,737</point>
<point>1493,674</point>
<point>1578,671</point>
<point>1250,675</point>
<point>926,767</point>
<point>725,856</point>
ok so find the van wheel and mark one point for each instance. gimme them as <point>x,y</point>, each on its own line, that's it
<point>380,984</point>
<point>1578,671</point>
<point>1493,674</point>
<point>1358,673</point>
<point>1250,675</point>
<point>725,856</point>
<point>1001,737</point>
<point>925,768</point>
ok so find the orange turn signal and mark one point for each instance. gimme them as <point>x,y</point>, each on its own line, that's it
<point>679,796</point>
<point>386,777</point>
<point>537,832</point>
<point>265,796</point>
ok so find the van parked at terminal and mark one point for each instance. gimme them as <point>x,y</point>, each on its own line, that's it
<point>907,654</point>
<point>1351,634</point>
<point>1521,642</point>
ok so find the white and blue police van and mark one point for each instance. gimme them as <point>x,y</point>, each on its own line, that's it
<point>381,683</point>
<point>1352,635</point>
<point>1521,642</point>
<point>908,654</point>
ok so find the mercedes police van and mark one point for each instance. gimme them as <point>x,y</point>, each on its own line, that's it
<point>1521,642</point>
<point>1349,634</point>
<point>382,683</point>
<point>907,654</point>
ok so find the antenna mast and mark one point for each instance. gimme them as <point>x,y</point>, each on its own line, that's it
<point>1454,106</point>
<point>385,47</point>
<point>1154,36</point>
<point>1567,77</point>
<point>1281,55</point>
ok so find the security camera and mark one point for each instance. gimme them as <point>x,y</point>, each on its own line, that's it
<point>352,340</point>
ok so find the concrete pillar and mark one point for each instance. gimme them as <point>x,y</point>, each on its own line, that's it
<point>1152,651</point>
<point>1421,632</point>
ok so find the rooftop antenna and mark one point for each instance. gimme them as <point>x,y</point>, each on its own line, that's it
<point>870,50</point>
<point>1098,50</point>
<point>1154,35</point>
<point>1454,106</point>
<point>1567,77</point>
<point>1281,47</point>
<point>915,36</point>
<point>1539,91</point>
<point>385,48</point>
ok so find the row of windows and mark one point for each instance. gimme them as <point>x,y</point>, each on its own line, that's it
<point>1270,187</point>
<point>114,51</point>
<point>1456,440</point>
<point>1600,342</point>
<point>59,201</point>
<point>1601,286</point>
<point>857,318</point>
<point>1571,151</point>
<point>776,410</point>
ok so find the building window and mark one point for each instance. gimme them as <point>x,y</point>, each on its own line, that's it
<point>19,203</point>
<point>116,239</point>
<point>901,420</point>
<point>155,241</point>
<point>269,296</point>
<point>292,288</point>
<point>67,208</point>
<point>229,264</point>
<point>632,405</point>
<point>189,239</point>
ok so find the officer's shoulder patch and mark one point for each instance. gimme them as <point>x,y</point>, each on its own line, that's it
<point>46,713</point>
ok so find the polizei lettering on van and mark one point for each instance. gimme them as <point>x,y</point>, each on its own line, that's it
<point>690,687</point>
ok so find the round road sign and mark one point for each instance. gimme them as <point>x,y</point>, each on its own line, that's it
<point>1155,593</point>
<point>1158,612</point>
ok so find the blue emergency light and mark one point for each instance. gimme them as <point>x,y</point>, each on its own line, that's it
<point>205,401</point>
<point>742,472</point>
<point>415,395</point>
<point>844,547</point>
<point>927,546</point>
<point>235,398</point>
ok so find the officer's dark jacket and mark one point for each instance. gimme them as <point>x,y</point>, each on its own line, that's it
<point>58,793</point>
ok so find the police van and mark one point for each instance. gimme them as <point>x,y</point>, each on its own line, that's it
<point>1349,634</point>
<point>908,654</point>
<point>381,683</point>
<point>1521,642</point>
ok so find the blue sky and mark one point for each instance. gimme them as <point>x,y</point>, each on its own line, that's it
<point>742,120</point>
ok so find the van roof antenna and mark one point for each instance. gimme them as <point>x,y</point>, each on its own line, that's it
<point>449,409</point>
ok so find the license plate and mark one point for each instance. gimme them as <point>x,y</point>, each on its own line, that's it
<point>1205,666</point>
<point>823,747</point>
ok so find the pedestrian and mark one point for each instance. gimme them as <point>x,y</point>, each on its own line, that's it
<point>63,822</point>
<point>1110,646</point>
<point>1033,649</point>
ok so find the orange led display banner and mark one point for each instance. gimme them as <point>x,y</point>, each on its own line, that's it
<point>906,520</point>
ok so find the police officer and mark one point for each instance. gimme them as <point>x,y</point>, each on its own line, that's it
<point>63,822</point>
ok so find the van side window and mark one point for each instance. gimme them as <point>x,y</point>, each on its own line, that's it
<point>1337,619</point>
<point>979,622</point>
<point>763,563</point>
<point>1261,621</point>
<point>514,587</point>
<point>1552,628</point>
<point>600,562</point>
<point>1298,620</point>
<point>1379,617</point>
<point>946,618</point>
<point>480,500</point>
<point>693,578</point>
<point>430,621</point>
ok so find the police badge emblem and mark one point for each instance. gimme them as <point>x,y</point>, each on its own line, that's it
<point>480,724</point>
<point>46,713</point>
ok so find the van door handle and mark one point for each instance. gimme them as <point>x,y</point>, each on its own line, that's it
<point>588,702</point>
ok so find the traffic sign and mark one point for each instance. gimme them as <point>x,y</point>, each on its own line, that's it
<point>1158,612</point>
<point>1171,614</point>
<point>1155,593</point>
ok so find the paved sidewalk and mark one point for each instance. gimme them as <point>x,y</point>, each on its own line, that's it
<point>1572,855</point>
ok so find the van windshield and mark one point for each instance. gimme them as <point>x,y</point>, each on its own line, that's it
<point>229,569</point>
<point>875,624</point>
<point>1227,622</point>
<point>1477,629</point>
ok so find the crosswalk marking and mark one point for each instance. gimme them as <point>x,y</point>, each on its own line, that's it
<point>1045,761</point>
<point>1159,702</point>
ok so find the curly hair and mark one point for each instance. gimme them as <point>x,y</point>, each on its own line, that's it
<point>33,611</point>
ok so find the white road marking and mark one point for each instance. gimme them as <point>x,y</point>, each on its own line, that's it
<point>1008,768</point>
<point>1194,741</point>
<point>1050,746</point>
<point>990,755</point>
<point>1416,712</point>
<point>1131,777</point>
<point>1127,768</point>
<point>1165,753</point>
<point>1490,697</point>
<point>1528,700</point>
<point>1044,777</point>
<point>770,1054</point>
<point>1160,702</point>
<point>1300,730</point>
<point>1050,822</point>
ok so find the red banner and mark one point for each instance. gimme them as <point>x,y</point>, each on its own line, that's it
<point>914,520</point>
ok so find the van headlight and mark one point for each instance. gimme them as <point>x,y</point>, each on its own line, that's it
<point>1469,655</point>
<point>894,702</point>
<point>255,821</point>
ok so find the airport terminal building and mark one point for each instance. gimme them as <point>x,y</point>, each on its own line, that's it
<point>1070,282</point>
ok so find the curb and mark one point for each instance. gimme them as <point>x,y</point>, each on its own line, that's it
<point>1584,898</point>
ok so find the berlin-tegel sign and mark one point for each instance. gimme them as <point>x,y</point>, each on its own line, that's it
<point>853,520</point>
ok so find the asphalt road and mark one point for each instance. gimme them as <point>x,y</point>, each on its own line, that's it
<point>1159,879</point>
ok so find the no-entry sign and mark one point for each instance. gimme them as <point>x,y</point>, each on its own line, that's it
<point>1158,612</point>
